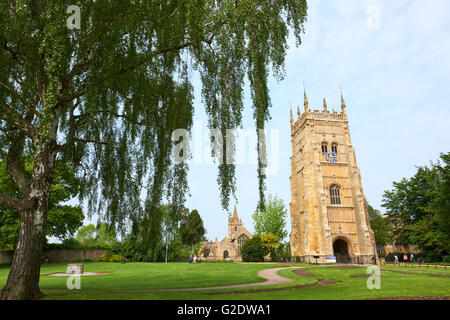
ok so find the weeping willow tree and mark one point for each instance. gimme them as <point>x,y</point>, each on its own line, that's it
<point>104,90</point>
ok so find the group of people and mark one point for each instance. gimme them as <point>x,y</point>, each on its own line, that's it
<point>194,260</point>
<point>405,258</point>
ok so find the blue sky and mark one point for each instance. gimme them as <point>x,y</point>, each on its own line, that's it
<point>393,60</point>
<point>395,75</point>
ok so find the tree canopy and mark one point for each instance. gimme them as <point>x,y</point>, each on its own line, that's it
<point>253,250</point>
<point>63,220</point>
<point>102,236</point>
<point>380,226</point>
<point>109,95</point>
<point>272,219</point>
<point>419,210</point>
<point>191,228</point>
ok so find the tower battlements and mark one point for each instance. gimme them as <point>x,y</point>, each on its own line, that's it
<point>323,114</point>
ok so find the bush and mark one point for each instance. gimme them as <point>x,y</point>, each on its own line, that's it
<point>115,258</point>
<point>87,260</point>
<point>390,256</point>
<point>297,259</point>
<point>432,256</point>
<point>253,250</point>
<point>446,259</point>
<point>70,243</point>
<point>103,258</point>
<point>110,257</point>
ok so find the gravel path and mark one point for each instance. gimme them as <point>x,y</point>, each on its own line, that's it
<point>270,275</point>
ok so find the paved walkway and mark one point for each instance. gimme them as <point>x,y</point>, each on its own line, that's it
<point>271,275</point>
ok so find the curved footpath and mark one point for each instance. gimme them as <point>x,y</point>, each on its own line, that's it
<point>271,275</point>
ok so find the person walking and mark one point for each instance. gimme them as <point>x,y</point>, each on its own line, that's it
<point>395,259</point>
<point>411,258</point>
<point>190,259</point>
<point>195,259</point>
<point>405,258</point>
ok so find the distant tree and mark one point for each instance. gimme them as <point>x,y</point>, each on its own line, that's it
<point>418,208</point>
<point>100,236</point>
<point>62,221</point>
<point>270,242</point>
<point>380,226</point>
<point>253,250</point>
<point>441,203</point>
<point>151,233</point>
<point>86,235</point>
<point>105,236</point>
<point>271,220</point>
<point>191,228</point>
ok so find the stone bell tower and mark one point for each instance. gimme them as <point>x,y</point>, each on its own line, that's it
<point>328,208</point>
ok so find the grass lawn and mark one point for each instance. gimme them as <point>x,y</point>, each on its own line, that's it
<point>123,278</point>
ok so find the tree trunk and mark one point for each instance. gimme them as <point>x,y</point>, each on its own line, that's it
<point>23,278</point>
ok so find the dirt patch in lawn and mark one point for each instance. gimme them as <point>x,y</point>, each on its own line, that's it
<point>367,276</point>
<point>63,274</point>
<point>407,272</point>
<point>414,298</point>
<point>344,267</point>
<point>402,272</point>
<point>317,284</point>
<point>303,273</point>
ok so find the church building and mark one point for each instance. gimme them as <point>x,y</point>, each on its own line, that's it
<point>230,247</point>
<point>328,209</point>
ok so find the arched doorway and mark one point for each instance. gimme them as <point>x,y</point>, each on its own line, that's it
<point>340,250</point>
<point>206,252</point>
<point>225,254</point>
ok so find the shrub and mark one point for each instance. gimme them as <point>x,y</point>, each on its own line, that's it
<point>115,258</point>
<point>88,260</point>
<point>446,259</point>
<point>253,250</point>
<point>297,259</point>
<point>432,256</point>
<point>103,258</point>
<point>390,256</point>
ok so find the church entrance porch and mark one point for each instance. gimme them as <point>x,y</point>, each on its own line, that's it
<point>340,250</point>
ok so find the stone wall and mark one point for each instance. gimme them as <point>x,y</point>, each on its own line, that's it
<point>5,257</point>
<point>61,255</point>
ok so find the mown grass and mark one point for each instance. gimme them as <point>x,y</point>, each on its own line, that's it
<point>124,278</point>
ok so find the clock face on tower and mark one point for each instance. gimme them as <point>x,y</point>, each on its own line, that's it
<point>331,156</point>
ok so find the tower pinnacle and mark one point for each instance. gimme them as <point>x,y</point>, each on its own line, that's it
<point>343,106</point>
<point>325,105</point>
<point>235,216</point>
<point>305,99</point>
<point>292,117</point>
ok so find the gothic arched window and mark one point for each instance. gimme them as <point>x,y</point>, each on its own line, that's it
<point>324,147</point>
<point>241,240</point>
<point>335,195</point>
<point>334,147</point>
